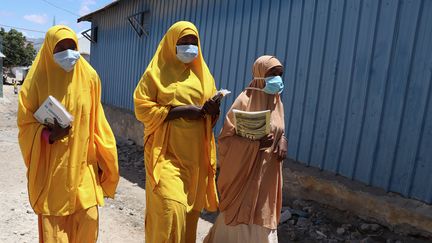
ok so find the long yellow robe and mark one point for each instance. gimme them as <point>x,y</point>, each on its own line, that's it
<point>180,155</point>
<point>75,172</point>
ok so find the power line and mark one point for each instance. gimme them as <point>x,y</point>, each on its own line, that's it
<point>19,28</point>
<point>56,6</point>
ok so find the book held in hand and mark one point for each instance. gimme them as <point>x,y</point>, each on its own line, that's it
<point>220,94</point>
<point>253,125</point>
<point>50,109</point>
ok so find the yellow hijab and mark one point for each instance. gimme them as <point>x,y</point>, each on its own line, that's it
<point>155,94</point>
<point>56,170</point>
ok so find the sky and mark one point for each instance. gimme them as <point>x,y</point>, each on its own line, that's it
<point>39,14</point>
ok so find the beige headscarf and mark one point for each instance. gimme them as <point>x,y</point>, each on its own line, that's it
<point>250,181</point>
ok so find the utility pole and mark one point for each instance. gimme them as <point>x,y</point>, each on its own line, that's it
<point>1,67</point>
<point>54,22</point>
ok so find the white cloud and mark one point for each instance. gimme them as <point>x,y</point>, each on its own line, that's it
<point>85,6</point>
<point>35,18</point>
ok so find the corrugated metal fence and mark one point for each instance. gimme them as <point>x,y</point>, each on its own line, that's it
<point>358,75</point>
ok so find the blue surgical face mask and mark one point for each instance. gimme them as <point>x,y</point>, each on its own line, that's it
<point>67,59</point>
<point>274,85</point>
<point>187,53</point>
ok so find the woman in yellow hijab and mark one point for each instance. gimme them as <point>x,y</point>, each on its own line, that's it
<point>70,170</point>
<point>173,100</point>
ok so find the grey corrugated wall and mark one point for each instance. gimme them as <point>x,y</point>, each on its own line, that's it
<point>358,75</point>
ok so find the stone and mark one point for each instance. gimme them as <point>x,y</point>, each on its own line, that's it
<point>123,157</point>
<point>309,210</point>
<point>364,227</point>
<point>321,235</point>
<point>340,231</point>
<point>301,222</point>
<point>285,208</point>
<point>29,212</point>
<point>374,227</point>
<point>292,236</point>
<point>324,229</point>
<point>292,222</point>
<point>299,204</point>
<point>138,164</point>
<point>317,221</point>
<point>347,226</point>
<point>355,235</point>
<point>372,239</point>
<point>299,213</point>
<point>130,142</point>
<point>285,216</point>
<point>370,227</point>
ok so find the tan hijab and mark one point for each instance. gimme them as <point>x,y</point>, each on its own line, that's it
<point>250,180</point>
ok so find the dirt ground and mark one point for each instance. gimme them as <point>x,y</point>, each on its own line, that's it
<point>121,220</point>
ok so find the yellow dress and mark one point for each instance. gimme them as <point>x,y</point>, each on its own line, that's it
<point>75,172</point>
<point>179,154</point>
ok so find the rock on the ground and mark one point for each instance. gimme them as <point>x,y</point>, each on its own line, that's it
<point>370,227</point>
<point>302,222</point>
<point>300,204</point>
<point>355,235</point>
<point>320,234</point>
<point>340,231</point>
<point>285,216</point>
<point>299,213</point>
<point>309,210</point>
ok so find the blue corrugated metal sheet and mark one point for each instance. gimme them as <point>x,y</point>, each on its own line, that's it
<point>358,75</point>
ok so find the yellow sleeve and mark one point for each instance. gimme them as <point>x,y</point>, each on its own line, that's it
<point>147,110</point>
<point>30,130</point>
<point>106,150</point>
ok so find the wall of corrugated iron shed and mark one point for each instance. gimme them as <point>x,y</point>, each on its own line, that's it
<point>358,75</point>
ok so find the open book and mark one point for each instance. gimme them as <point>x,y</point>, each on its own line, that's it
<point>252,125</point>
<point>50,109</point>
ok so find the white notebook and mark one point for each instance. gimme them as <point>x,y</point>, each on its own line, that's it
<point>252,125</point>
<point>50,109</point>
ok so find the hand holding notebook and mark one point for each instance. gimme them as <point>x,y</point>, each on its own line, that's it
<point>52,109</point>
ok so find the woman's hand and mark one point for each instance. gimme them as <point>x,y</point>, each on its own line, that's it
<point>282,148</point>
<point>211,107</point>
<point>190,112</point>
<point>57,132</point>
<point>266,141</point>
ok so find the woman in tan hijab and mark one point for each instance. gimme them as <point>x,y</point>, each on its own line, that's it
<point>250,180</point>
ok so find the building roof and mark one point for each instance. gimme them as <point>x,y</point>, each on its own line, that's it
<point>2,55</point>
<point>88,17</point>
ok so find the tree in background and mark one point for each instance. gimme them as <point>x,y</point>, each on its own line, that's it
<point>30,53</point>
<point>16,48</point>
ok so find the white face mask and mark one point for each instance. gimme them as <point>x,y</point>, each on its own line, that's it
<point>187,53</point>
<point>67,59</point>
